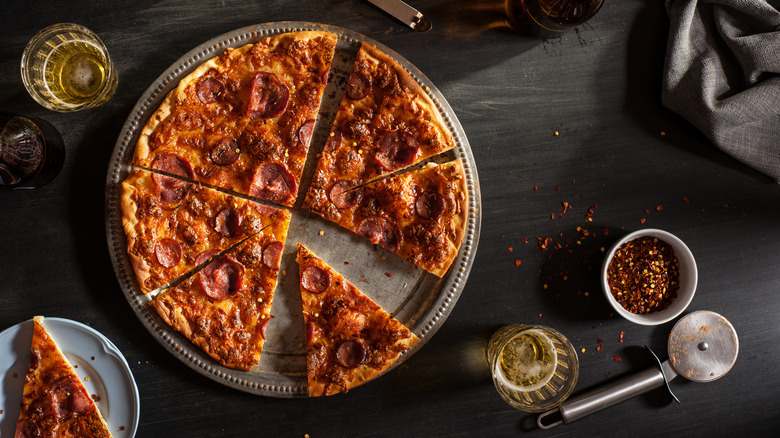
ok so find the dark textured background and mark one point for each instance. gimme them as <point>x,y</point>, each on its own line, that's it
<point>598,86</point>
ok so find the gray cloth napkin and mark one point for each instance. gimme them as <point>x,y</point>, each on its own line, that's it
<point>722,73</point>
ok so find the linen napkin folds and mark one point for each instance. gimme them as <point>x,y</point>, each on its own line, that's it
<point>722,73</point>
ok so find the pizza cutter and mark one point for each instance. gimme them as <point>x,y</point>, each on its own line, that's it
<point>702,346</point>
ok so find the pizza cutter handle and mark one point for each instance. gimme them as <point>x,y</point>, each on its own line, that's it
<point>607,395</point>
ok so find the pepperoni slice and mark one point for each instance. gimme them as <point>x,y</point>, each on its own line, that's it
<point>272,182</point>
<point>334,140</point>
<point>315,280</point>
<point>171,190</point>
<point>225,152</point>
<point>350,353</point>
<point>167,252</point>
<point>379,232</point>
<point>397,150</point>
<point>205,255</point>
<point>358,86</point>
<point>221,278</point>
<point>68,398</point>
<point>268,96</point>
<point>304,132</point>
<point>272,254</point>
<point>228,222</point>
<point>341,196</point>
<point>262,327</point>
<point>209,90</point>
<point>429,205</point>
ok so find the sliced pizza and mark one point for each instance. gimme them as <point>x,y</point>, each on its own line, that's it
<point>170,222</point>
<point>385,122</point>
<point>419,215</point>
<point>55,402</point>
<point>243,120</point>
<point>224,308</point>
<point>349,338</point>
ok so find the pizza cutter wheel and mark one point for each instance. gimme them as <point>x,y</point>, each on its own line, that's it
<point>702,346</point>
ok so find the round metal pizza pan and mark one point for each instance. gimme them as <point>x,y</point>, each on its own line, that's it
<point>418,299</point>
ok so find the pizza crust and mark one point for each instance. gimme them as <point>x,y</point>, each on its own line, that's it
<point>130,223</point>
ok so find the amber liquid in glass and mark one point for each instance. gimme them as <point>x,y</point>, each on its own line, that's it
<point>548,17</point>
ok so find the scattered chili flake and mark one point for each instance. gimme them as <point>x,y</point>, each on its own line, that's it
<point>620,339</point>
<point>685,200</point>
<point>525,240</point>
<point>643,275</point>
<point>1,411</point>
<point>536,188</point>
<point>121,428</point>
<point>95,397</point>
<point>552,215</point>
<point>557,188</point>
<point>15,375</point>
<point>539,315</point>
<point>600,347</point>
<point>346,262</point>
<point>93,357</point>
<point>86,379</point>
<point>388,274</point>
<point>565,206</point>
<point>641,221</point>
<point>510,249</point>
<point>574,180</point>
<point>663,133</point>
<point>647,211</point>
<point>600,341</point>
<point>617,359</point>
<point>589,213</point>
<point>659,208</point>
<point>582,349</point>
<point>543,242</point>
<point>517,263</point>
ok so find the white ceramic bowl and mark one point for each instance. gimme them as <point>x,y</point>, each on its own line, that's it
<point>688,279</point>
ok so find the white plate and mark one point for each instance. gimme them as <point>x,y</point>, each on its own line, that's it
<point>92,354</point>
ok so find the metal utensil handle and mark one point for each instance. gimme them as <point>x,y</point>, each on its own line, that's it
<point>605,396</point>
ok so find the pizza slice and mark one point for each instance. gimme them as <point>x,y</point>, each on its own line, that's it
<point>243,120</point>
<point>224,308</point>
<point>349,338</point>
<point>54,402</point>
<point>419,215</point>
<point>385,122</point>
<point>170,222</point>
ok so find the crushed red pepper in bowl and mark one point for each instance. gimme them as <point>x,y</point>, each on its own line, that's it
<point>644,275</point>
<point>649,276</point>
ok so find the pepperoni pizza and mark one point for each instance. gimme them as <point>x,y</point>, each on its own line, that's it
<point>241,123</point>
<point>243,120</point>
<point>349,338</point>
<point>385,122</point>
<point>54,401</point>
<point>225,307</point>
<point>419,215</point>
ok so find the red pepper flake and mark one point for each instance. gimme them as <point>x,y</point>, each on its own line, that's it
<point>600,341</point>
<point>620,339</point>
<point>388,274</point>
<point>641,221</point>
<point>15,375</point>
<point>643,275</point>
<point>647,211</point>
<point>574,180</point>
<point>121,428</point>
<point>685,200</point>
<point>617,359</point>
<point>600,347</point>
<point>510,249</point>
<point>557,188</point>
<point>536,188</point>
<point>95,397</point>
<point>1,411</point>
<point>552,215</point>
<point>589,213</point>
<point>517,263</point>
<point>543,242</point>
<point>525,240</point>
<point>539,315</point>
<point>565,206</point>
<point>93,357</point>
<point>659,208</point>
<point>346,262</point>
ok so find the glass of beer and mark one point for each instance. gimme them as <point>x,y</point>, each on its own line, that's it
<point>66,67</point>
<point>549,17</point>
<point>534,367</point>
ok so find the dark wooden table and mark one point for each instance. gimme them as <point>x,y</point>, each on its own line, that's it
<point>578,116</point>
